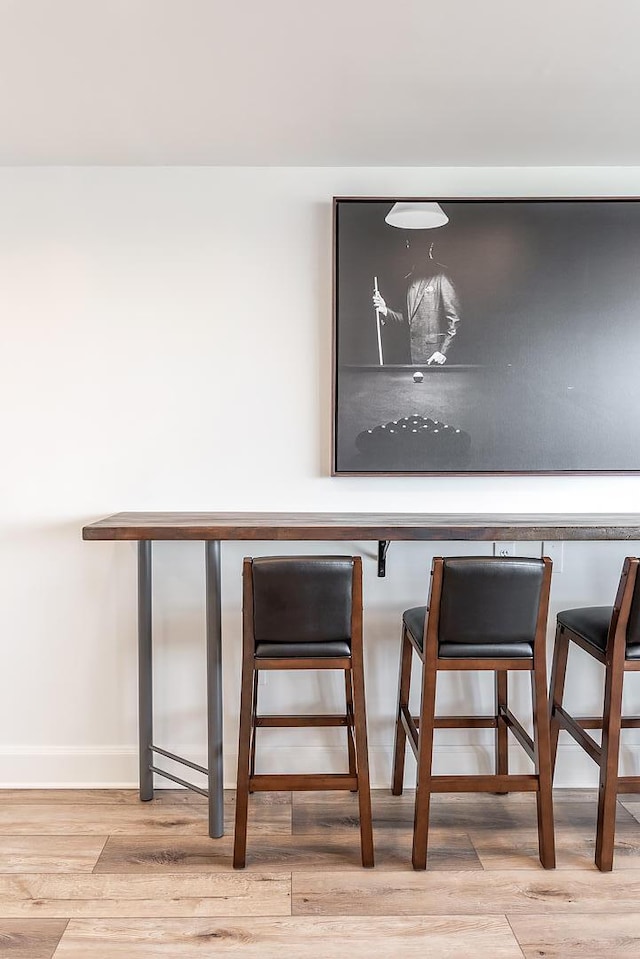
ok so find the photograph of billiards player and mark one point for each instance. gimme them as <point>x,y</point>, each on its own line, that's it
<point>431,309</point>
<point>541,374</point>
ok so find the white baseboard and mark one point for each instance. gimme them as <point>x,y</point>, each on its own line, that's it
<point>68,767</point>
<point>111,767</point>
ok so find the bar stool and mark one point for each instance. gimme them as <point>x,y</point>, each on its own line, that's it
<point>483,613</point>
<point>611,634</point>
<point>303,612</point>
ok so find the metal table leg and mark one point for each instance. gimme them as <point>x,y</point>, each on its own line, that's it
<point>214,689</point>
<point>145,675</point>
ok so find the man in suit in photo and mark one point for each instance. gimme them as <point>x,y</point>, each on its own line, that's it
<point>432,310</point>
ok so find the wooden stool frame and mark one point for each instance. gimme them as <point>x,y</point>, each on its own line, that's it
<point>419,730</point>
<point>607,754</point>
<point>353,719</point>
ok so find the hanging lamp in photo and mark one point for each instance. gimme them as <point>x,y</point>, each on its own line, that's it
<point>416,216</point>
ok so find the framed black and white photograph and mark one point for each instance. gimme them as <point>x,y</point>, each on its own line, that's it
<point>486,336</point>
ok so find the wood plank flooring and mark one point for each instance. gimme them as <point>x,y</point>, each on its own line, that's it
<point>95,874</point>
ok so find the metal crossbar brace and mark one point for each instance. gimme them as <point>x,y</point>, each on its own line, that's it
<point>181,782</point>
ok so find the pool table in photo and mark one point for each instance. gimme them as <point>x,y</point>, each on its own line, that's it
<point>492,419</point>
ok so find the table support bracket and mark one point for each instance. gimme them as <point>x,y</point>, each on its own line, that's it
<point>383,546</point>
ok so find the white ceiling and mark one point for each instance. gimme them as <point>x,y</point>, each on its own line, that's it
<point>335,82</point>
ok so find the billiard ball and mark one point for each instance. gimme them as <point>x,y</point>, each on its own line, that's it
<point>418,377</point>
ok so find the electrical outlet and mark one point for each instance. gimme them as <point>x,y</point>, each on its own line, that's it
<point>554,549</point>
<point>504,549</point>
<point>262,677</point>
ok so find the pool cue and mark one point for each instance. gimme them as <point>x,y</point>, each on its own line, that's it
<point>376,290</point>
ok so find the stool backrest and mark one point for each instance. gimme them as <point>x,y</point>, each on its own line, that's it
<point>302,599</point>
<point>625,620</point>
<point>633,625</point>
<point>486,599</point>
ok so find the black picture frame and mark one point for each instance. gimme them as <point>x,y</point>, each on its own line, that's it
<point>534,302</point>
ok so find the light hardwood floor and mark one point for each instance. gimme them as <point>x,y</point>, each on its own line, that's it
<point>95,874</point>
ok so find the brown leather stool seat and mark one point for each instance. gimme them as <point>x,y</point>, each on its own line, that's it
<point>592,624</point>
<point>303,612</point>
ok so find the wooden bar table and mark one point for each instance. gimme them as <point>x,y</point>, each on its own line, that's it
<point>213,528</point>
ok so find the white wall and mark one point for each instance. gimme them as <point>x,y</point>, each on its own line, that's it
<point>166,344</point>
